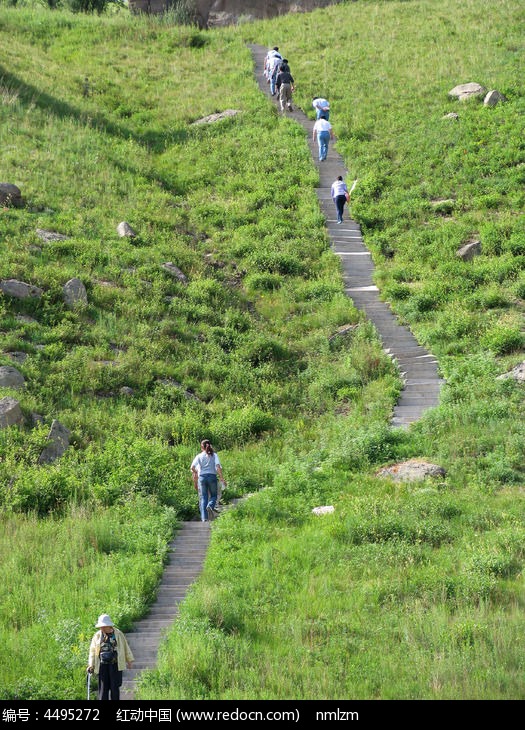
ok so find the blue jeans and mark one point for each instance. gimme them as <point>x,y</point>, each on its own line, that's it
<point>273,79</point>
<point>322,114</point>
<point>207,493</point>
<point>322,139</point>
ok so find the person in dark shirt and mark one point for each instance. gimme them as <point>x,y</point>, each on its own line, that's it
<point>285,86</point>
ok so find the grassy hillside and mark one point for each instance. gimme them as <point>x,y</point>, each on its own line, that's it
<point>96,128</point>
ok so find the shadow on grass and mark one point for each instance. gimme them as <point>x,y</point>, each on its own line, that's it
<point>29,95</point>
<point>154,141</point>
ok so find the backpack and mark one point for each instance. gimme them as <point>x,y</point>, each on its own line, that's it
<point>108,649</point>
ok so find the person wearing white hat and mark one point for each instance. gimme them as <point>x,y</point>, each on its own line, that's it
<point>109,655</point>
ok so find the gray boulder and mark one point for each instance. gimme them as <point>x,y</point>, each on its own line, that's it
<point>125,230</point>
<point>58,438</point>
<point>50,235</point>
<point>10,412</point>
<point>74,293</point>
<point>175,272</point>
<point>17,356</point>
<point>493,97</point>
<point>467,91</point>
<point>11,378</point>
<point>325,509</point>
<point>10,195</point>
<point>517,373</point>
<point>26,319</point>
<point>413,470</point>
<point>216,117</point>
<point>19,289</point>
<point>469,250</point>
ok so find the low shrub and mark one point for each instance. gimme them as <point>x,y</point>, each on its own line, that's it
<point>263,282</point>
<point>44,490</point>
<point>261,350</point>
<point>277,263</point>
<point>502,339</point>
<point>240,426</point>
<point>397,291</point>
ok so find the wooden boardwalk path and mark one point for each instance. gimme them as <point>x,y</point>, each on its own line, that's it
<point>418,367</point>
<point>187,553</point>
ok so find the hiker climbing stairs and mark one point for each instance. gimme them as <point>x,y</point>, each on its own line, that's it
<point>186,556</point>
<point>417,367</point>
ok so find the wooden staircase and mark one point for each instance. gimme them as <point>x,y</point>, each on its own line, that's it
<point>186,557</point>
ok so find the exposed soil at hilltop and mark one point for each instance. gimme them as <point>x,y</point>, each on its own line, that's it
<point>213,13</point>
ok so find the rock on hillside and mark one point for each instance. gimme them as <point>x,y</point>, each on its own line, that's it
<point>413,470</point>
<point>58,442</point>
<point>10,195</point>
<point>467,91</point>
<point>19,289</point>
<point>11,378</point>
<point>212,13</point>
<point>10,412</point>
<point>517,373</point>
<point>74,293</point>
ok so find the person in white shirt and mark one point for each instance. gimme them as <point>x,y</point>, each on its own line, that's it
<point>322,130</point>
<point>322,108</point>
<point>271,67</point>
<point>275,65</point>
<point>339,192</point>
<point>205,467</point>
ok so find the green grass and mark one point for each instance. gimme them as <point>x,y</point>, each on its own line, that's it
<point>406,591</point>
<point>318,604</point>
<point>59,572</point>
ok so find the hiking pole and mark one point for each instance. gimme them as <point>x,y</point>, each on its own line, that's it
<point>88,684</point>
